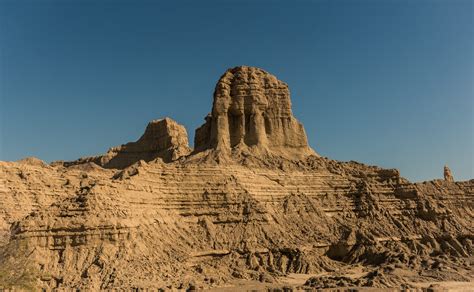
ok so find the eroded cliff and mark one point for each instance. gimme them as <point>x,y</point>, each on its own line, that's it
<point>252,109</point>
<point>149,214</point>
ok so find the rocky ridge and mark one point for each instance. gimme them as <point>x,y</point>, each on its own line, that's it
<point>251,202</point>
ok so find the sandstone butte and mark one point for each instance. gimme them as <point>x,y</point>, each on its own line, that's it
<point>251,203</point>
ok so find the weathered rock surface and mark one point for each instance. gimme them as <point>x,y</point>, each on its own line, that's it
<point>178,221</point>
<point>448,176</point>
<point>252,108</point>
<point>163,139</point>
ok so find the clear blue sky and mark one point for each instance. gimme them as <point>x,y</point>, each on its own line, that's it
<point>388,83</point>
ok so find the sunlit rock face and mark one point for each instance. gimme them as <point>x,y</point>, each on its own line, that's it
<point>151,215</point>
<point>252,108</point>
<point>163,138</point>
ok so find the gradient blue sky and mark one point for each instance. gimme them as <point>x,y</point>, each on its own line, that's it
<point>384,82</point>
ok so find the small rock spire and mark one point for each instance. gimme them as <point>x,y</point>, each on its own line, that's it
<point>448,176</point>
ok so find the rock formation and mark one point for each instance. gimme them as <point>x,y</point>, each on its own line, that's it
<point>448,176</point>
<point>252,108</point>
<point>167,219</point>
<point>163,139</point>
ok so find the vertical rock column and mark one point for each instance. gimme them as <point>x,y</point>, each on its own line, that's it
<point>237,125</point>
<point>220,132</point>
<point>220,137</point>
<point>257,134</point>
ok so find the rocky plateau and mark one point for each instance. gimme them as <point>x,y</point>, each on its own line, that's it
<point>251,203</point>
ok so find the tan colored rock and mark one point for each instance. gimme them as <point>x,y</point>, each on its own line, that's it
<point>84,227</point>
<point>448,176</point>
<point>163,139</point>
<point>32,161</point>
<point>252,108</point>
<point>168,222</point>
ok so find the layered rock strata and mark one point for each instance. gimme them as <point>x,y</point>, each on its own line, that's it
<point>167,219</point>
<point>213,223</point>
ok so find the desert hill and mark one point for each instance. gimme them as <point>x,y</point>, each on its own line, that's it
<point>251,202</point>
